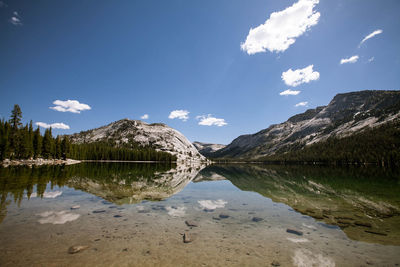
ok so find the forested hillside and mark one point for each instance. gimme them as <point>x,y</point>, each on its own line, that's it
<point>18,141</point>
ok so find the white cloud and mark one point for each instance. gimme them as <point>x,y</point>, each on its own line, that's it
<point>51,194</point>
<point>57,125</point>
<point>212,204</point>
<point>179,114</point>
<point>282,28</point>
<point>299,76</point>
<point>55,217</point>
<point>352,59</point>
<point>70,106</point>
<point>369,36</point>
<point>301,104</point>
<point>371,59</point>
<point>290,92</point>
<point>176,211</point>
<point>145,117</point>
<point>209,120</point>
<point>16,19</point>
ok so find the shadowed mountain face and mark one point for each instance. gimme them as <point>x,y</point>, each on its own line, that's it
<point>363,202</point>
<point>345,115</point>
<point>206,149</point>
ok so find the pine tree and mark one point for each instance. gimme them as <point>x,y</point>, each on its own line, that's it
<point>22,151</point>
<point>65,147</point>
<point>37,143</point>
<point>57,146</point>
<point>46,146</point>
<point>4,139</point>
<point>16,116</point>
<point>15,138</point>
<point>30,140</point>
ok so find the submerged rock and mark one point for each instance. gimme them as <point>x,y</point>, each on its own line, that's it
<point>76,249</point>
<point>187,238</point>
<point>224,216</point>
<point>257,219</point>
<point>375,232</point>
<point>293,231</point>
<point>365,224</point>
<point>143,211</point>
<point>98,211</point>
<point>191,223</point>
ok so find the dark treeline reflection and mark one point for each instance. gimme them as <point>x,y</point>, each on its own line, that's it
<point>371,180</point>
<point>363,201</point>
<point>16,181</point>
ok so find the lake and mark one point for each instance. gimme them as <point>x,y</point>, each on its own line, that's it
<point>132,214</point>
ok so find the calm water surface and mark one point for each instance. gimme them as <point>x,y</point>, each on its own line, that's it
<point>125,214</point>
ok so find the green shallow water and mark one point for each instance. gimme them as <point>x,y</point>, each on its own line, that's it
<point>127,214</point>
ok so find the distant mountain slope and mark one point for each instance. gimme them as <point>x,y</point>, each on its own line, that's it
<point>133,133</point>
<point>206,148</point>
<point>345,115</point>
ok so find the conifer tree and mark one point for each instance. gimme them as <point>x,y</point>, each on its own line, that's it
<point>30,140</point>
<point>65,147</point>
<point>37,143</point>
<point>4,139</point>
<point>46,146</point>
<point>57,146</point>
<point>16,116</point>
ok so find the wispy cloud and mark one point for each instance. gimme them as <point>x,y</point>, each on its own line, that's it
<point>57,125</point>
<point>209,120</point>
<point>296,77</point>
<point>2,4</point>
<point>282,28</point>
<point>179,114</point>
<point>16,19</point>
<point>145,117</point>
<point>301,104</point>
<point>352,59</point>
<point>70,106</point>
<point>369,36</point>
<point>371,59</point>
<point>289,92</point>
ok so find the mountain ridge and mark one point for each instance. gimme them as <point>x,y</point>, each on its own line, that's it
<point>346,114</point>
<point>131,133</point>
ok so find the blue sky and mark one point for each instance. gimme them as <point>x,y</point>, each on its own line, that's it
<point>125,59</point>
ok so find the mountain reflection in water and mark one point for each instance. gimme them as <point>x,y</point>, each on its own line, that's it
<point>363,202</point>
<point>122,183</point>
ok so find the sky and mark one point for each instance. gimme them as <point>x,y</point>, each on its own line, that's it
<point>212,69</point>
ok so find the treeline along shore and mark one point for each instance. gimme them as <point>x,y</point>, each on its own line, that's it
<point>22,142</point>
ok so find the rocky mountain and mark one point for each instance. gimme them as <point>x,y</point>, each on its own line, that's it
<point>137,133</point>
<point>345,115</point>
<point>206,149</point>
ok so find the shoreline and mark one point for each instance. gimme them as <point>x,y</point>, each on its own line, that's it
<point>38,162</point>
<point>41,161</point>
